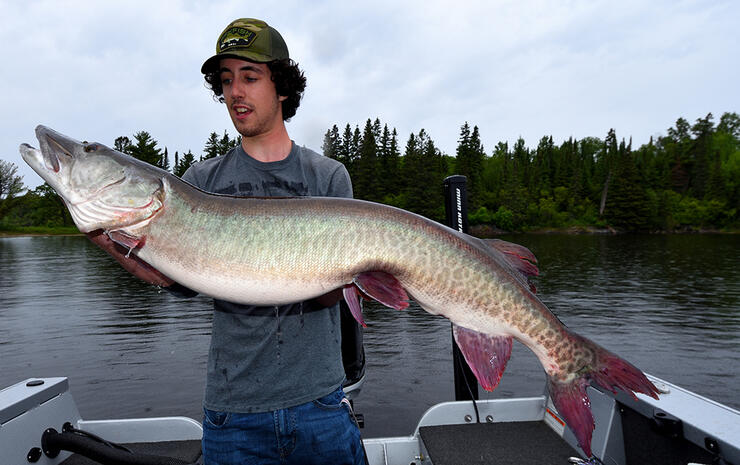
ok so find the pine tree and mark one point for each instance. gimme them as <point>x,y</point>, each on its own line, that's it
<point>701,156</point>
<point>627,205</point>
<point>164,161</point>
<point>388,165</point>
<point>469,163</point>
<point>365,181</point>
<point>212,148</point>
<point>331,147</point>
<point>145,148</point>
<point>606,165</point>
<point>345,151</point>
<point>391,168</point>
<point>677,146</point>
<point>226,143</point>
<point>184,163</point>
<point>327,146</point>
<point>540,181</point>
<point>423,171</point>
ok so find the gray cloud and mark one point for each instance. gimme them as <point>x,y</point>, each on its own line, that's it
<point>514,68</point>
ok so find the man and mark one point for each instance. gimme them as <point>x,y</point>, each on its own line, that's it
<point>273,388</point>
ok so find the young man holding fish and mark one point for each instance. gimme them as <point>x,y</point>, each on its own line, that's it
<point>274,377</point>
<point>274,373</point>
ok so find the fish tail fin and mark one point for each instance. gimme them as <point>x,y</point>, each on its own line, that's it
<point>608,371</point>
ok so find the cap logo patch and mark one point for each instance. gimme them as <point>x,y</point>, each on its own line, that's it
<point>236,37</point>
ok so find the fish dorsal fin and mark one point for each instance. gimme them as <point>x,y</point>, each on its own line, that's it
<point>518,257</point>
<point>486,355</point>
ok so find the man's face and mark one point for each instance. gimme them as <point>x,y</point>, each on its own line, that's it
<point>250,96</point>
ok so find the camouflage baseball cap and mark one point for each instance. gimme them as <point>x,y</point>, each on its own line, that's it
<point>248,39</point>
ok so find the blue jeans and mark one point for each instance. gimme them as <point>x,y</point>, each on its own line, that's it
<point>322,431</point>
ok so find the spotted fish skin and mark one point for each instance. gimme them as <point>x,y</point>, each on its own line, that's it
<point>272,251</point>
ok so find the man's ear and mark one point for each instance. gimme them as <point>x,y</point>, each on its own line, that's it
<point>282,98</point>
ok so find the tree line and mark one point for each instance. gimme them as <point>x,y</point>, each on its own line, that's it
<point>687,179</point>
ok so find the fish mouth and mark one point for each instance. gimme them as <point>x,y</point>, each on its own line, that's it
<point>57,148</point>
<point>35,159</point>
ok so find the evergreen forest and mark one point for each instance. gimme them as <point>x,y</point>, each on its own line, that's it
<point>685,180</point>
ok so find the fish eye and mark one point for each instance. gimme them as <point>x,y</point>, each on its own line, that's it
<point>91,147</point>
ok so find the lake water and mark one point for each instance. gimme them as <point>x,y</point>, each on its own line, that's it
<point>670,304</point>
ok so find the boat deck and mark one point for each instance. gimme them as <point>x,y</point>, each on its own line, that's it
<point>515,443</point>
<point>188,451</point>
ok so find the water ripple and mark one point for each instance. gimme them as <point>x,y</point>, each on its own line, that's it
<point>669,304</point>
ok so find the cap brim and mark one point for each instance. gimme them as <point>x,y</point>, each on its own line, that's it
<point>211,64</point>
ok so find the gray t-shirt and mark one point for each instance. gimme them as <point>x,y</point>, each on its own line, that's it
<point>268,358</point>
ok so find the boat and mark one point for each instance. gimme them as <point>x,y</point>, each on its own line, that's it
<point>40,422</point>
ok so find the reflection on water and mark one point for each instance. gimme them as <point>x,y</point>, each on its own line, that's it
<point>669,304</point>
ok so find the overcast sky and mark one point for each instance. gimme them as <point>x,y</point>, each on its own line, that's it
<point>99,70</point>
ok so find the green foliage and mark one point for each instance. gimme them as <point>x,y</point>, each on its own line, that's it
<point>182,164</point>
<point>123,144</point>
<point>217,146</point>
<point>11,184</point>
<point>40,207</point>
<point>627,206</point>
<point>145,148</point>
<point>469,163</point>
<point>365,179</point>
<point>688,179</point>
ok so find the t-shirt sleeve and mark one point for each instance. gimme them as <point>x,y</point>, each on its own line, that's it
<point>340,185</point>
<point>190,176</point>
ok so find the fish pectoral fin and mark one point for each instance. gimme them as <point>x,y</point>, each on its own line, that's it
<point>132,264</point>
<point>383,287</point>
<point>520,258</point>
<point>352,297</point>
<point>486,355</point>
<point>126,240</point>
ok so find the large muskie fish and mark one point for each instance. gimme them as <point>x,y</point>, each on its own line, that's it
<point>271,251</point>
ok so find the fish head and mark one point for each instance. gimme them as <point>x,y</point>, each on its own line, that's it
<point>102,188</point>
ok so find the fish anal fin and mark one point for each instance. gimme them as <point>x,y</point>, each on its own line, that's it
<point>352,297</point>
<point>574,406</point>
<point>486,355</point>
<point>383,287</point>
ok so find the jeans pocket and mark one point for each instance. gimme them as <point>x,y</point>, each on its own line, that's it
<point>332,401</point>
<point>214,418</point>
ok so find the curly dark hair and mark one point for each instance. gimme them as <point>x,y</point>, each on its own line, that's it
<point>288,78</point>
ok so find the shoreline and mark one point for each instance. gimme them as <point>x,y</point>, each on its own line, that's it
<point>4,234</point>
<point>486,231</point>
